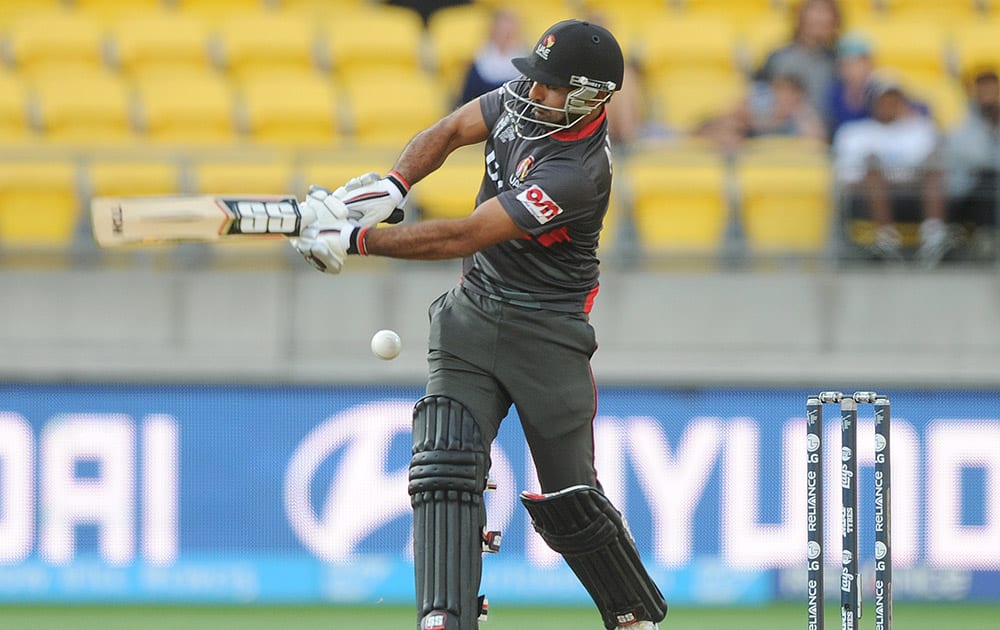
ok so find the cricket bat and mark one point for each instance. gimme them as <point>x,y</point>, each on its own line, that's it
<point>147,220</point>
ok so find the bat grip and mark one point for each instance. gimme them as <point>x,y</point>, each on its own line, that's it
<point>395,217</point>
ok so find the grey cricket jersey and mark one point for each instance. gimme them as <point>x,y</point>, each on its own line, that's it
<point>557,190</point>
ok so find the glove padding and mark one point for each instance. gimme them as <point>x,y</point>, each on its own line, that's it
<point>322,207</point>
<point>371,199</point>
<point>326,246</point>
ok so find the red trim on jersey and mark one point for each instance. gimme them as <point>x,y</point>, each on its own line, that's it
<point>588,304</point>
<point>586,130</point>
<point>550,238</point>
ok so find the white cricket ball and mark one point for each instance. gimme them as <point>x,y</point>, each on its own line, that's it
<point>386,344</point>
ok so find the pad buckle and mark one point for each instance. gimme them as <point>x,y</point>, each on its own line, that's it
<point>484,607</point>
<point>491,541</point>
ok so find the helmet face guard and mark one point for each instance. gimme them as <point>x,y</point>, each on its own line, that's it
<point>584,98</point>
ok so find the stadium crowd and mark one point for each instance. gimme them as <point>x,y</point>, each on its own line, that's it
<point>775,127</point>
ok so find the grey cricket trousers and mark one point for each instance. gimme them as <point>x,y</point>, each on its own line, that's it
<point>489,355</point>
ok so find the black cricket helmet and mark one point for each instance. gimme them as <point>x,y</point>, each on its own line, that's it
<point>574,54</point>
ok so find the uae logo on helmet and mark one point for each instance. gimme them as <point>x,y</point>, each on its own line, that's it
<point>545,46</point>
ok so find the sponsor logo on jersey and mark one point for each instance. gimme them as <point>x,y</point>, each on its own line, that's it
<point>545,46</point>
<point>523,167</point>
<point>539,204</point>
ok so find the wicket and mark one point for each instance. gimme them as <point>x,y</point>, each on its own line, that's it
<point>850,577</point>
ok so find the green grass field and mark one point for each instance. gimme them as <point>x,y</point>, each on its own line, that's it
<point>907,616</point>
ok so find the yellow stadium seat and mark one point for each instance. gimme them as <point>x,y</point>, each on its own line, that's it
<point>389,107</point>
<point>946,14</point>
<point>759,37</point>
<point>187,108</point>
<point>14,9</point>
<point>238,176</point>
<point>455,34</point>
<point>109,11</point>
<point>267,40</point>
<point>947,100</point>
<point>295,108</point>
<point>626,20</point>
<point>141,176</point>
<point>91,106</point>
<point>217,11</point>
<point>685,43</point>
<point>54,40</point>
<point>39,204</point>
<point>775,146</point>
<point>908,47</point>
<point>678,199</point>
<point>159,41</point>
<point>786,199</point>
<point>612,8</point>
<point>611,226</point>
<point>976,45</point>
<point>333,170</point>
<point>320,9</point>
<point>536,12</point>
<point>735,14</point>
<point>682,100</point>
<point>536,19</point>
<point>535,16</point>
<point>451,190</point>
<point>376,38</point>
<point>13,109</point>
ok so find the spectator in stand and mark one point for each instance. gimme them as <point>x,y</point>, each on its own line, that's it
<point>811,54</point>
<point>850,95</point>
<point>782,109</point>
<point>972,159</point>
<point>888,163</point>
<point>492,67</point>
<point>778,108</point>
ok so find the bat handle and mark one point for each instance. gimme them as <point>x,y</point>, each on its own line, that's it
<point>395,217</point>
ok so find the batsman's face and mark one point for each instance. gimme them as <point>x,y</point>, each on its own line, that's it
<point>552,100</point>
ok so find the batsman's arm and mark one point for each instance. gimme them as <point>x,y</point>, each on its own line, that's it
<point>428,150</point>
<point>443,238</point>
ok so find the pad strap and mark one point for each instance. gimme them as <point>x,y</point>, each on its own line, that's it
<point>582,525</point>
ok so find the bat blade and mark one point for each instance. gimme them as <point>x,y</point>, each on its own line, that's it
<point>118,221</point>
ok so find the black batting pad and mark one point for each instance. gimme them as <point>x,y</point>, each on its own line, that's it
<point>582,525</point>
<point>447,479</point>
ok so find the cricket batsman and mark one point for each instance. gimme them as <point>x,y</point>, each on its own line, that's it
<point>515,330</point>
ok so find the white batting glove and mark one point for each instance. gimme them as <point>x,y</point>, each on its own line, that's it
<point>372,199</point>
<point>327,246</point>
<point>322,207</point>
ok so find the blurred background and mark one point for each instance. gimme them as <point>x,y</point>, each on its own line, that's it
<point>805,198</point>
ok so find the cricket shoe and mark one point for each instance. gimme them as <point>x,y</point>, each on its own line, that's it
<point>640,625</point>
